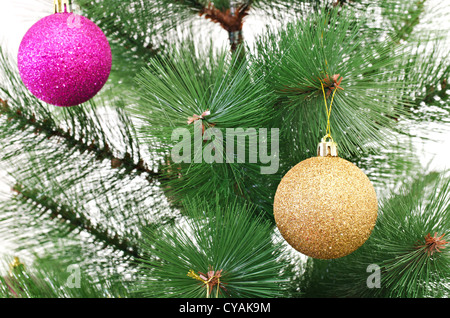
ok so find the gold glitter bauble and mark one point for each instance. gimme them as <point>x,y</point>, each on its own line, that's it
<point>325,207</point>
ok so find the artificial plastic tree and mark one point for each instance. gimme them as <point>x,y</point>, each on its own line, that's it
<point>95,184</point>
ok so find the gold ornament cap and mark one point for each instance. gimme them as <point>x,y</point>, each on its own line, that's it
<point>62,6</point>
<point>327,148</point>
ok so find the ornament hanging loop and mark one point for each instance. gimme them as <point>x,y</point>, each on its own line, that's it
<point>62,6</point>
<point>327,148</point>
<point>328,109</point>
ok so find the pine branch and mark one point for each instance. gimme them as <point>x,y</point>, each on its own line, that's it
<point>83,129</point>
<point>58,183</point>
<point>48,128</point>
<point>194,5</point>
<point>429,69</point>
<point>187,84</point>
<point>402,246</point>
<point>75,220</point>
<point>175,13</point>
<point>224,243</point>
<point>107,15</point>
<point>51,277</point>
<point>329,49</point>
<point>231,21</point>
<point>68,193</point>
<point>134,32</point>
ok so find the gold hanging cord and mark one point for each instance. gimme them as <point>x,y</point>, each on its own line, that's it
<point>327,148</point>
<point>328,130</point>
<point>328,110</point>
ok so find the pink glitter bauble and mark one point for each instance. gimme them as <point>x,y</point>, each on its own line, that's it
<point>64,59</point>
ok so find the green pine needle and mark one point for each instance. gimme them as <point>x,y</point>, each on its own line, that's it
<point>326,44</point>
<point>217,238</point>
<point>190,83</point>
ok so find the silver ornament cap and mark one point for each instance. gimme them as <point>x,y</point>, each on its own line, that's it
<point>327,148</point>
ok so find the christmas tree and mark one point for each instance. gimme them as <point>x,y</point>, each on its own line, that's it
<point>163,184</point>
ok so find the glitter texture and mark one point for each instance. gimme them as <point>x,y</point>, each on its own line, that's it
<point>325,207</point>
<point>64,59</point>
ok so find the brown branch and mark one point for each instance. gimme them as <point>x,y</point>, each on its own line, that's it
<point>231,22</point>
<point>340,3</point>
<point>433,244</point>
